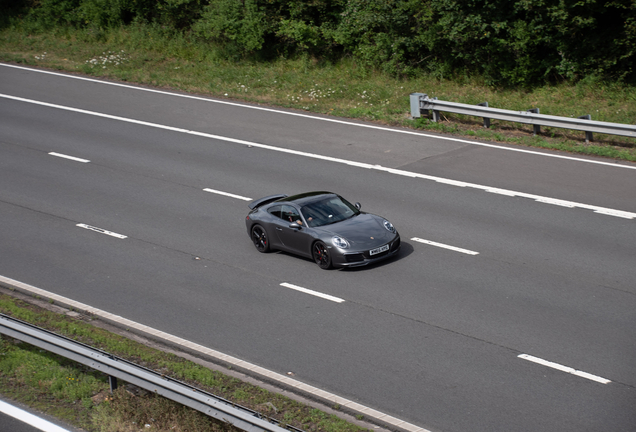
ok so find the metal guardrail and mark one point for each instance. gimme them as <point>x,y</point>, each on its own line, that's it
<point>421,103</point>
<point>117,368</point>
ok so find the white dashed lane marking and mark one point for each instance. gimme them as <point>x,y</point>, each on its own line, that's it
<point>227,194</point>
<point>102,231</point>
<point>445,246</point>
<point>565,369</point>
<point>313,293</point>
<point>76,159</point>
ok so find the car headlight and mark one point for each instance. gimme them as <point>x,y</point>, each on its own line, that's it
<point>389,226</point>
<point>340,242</point>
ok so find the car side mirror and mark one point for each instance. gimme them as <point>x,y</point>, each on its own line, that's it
<point>358,205</point>
<point>295,226</point>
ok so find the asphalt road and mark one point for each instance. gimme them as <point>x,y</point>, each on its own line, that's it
<point>432,337</point>
<point>15,417</point>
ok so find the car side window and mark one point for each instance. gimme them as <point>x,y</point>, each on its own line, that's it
<point>276,211</point>
<point>290,214</point>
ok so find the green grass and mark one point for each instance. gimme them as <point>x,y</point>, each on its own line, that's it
<point>80,395</point>
<point>153,56</point>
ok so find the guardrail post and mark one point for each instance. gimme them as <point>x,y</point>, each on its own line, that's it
<point>435,113</point>
<point>112,382</point>
<point>486,119</point>
<point>588,135</point>
<point>536,129</point>
<point>415,104</point>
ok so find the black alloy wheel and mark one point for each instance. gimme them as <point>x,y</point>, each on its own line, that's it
<point>259,237</point>
<point>321,255</point>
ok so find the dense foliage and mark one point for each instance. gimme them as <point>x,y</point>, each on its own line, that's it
<point>508,42</point>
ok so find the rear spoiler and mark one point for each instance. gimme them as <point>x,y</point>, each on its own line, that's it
<point>262,201</point>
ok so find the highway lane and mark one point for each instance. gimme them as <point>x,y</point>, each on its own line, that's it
<point>97,194</point>
<point>458,160</point>
<point>447,367</point>
<point>377,351</point>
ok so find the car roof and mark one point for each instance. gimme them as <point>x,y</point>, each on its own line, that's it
<point>305,198</point>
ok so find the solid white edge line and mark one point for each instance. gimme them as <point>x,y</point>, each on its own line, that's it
<point>227,194</point>
<point>555,202</point>
<point>283,379</point>
<point>563,203</point>
<point>445,246</point>
<point>313,293</point>
<point>30,419</point>
<point>565,369</point>
<point>616,213</point>
<point>313,117</point>
<point>101,231</point>
<point>60,155</point>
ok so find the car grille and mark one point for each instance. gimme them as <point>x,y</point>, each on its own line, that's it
<point>354,257</point>
<point>357,257</point>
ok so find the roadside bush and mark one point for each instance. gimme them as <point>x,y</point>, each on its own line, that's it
<point>13,10</point>
<point>103,14</point>
<point>272,27</point>
<point>517,43</point>
<point>383,34</point>
<point>241,26</point>
<point>525,42</point>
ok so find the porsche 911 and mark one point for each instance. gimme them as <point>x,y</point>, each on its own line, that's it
<point>321,226</point>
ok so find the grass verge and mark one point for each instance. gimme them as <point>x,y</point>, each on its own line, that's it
<point>154,56</point>
<point>80,396</point>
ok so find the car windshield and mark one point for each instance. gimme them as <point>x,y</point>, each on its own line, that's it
<point>329,210</point>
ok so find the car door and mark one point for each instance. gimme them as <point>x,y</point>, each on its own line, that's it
<point>273,225</point>
<point>298,239</point>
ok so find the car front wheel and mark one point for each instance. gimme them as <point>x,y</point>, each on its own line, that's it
<point>321,255</point>
<point>259,237</point>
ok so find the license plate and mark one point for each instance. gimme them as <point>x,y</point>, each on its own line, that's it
<point>379,250</point>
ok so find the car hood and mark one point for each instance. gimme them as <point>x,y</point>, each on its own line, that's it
<point>362,231</point>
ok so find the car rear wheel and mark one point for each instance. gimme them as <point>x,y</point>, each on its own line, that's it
<point>259,237</point>
<point>321,255</point>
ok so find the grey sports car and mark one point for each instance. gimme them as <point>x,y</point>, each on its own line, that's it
<point>322,226</point>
